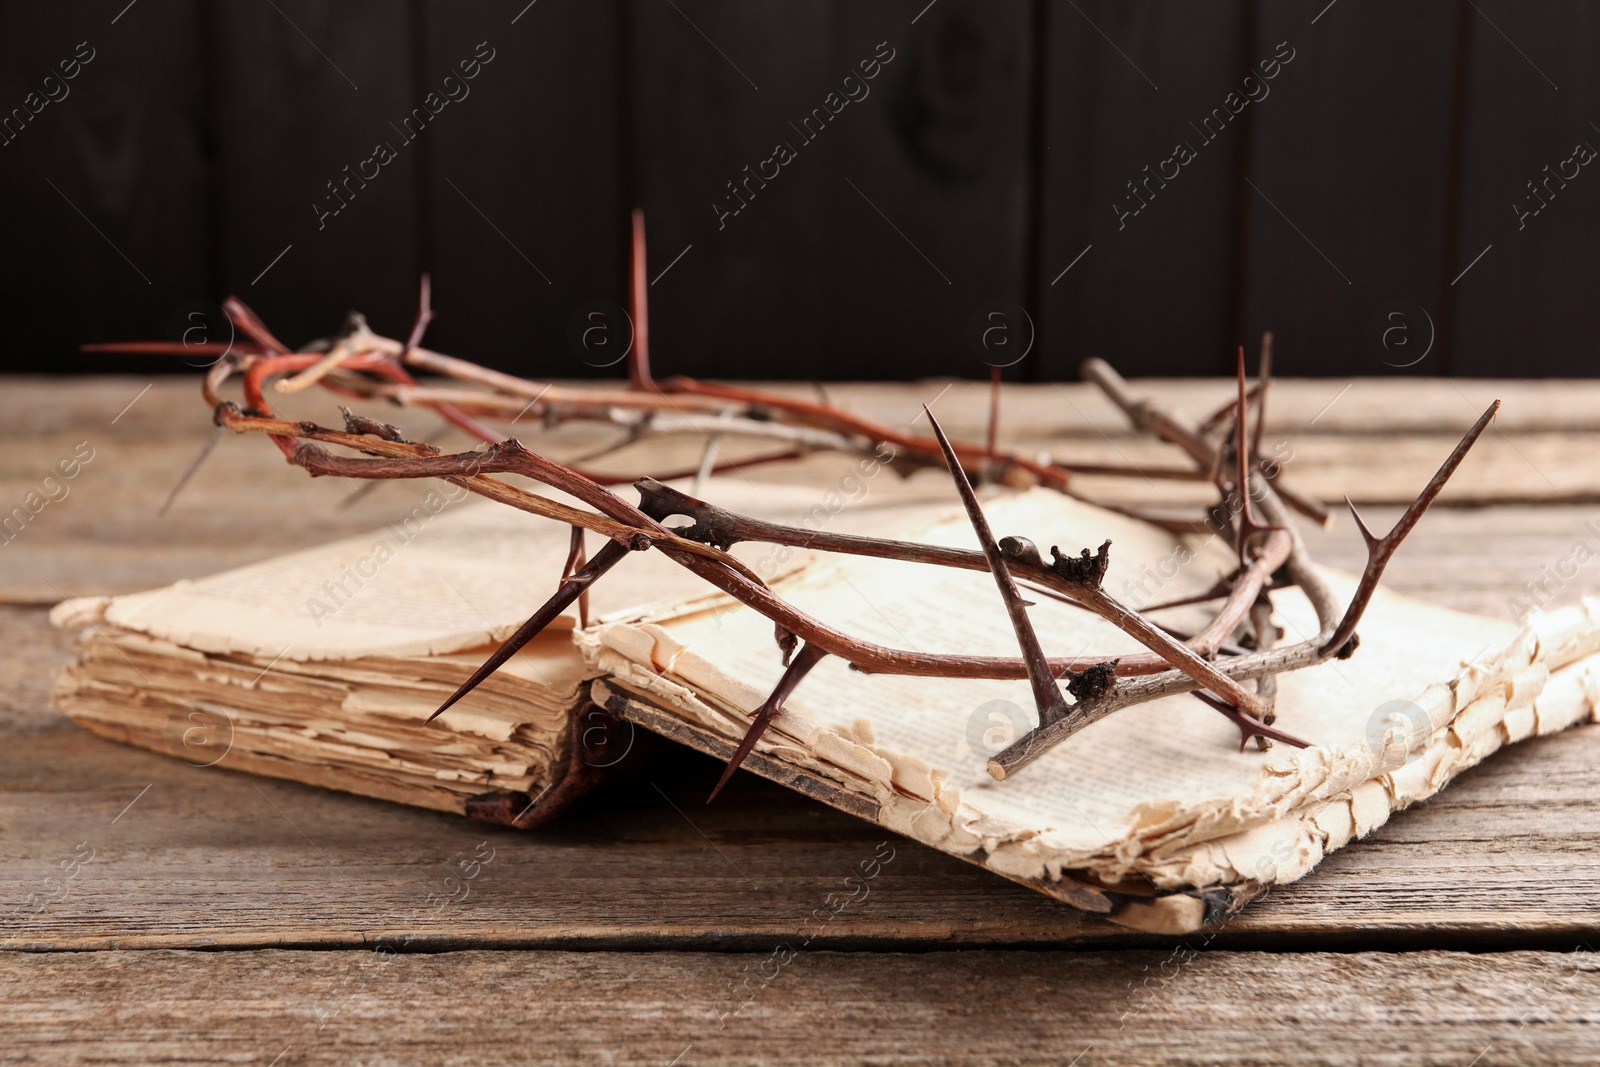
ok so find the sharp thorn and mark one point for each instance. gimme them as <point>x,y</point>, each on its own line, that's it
<point>707,462</point>
<point>1249,726</point>
<point>1047,697</point>
<point>1379,554</point>
<point>808,657</point>
<point>1371,538</point>
<point>1263,382</point>
<point>570,589</point>
<point>424,316</point>
<point>740,754</point>
<point>194,465</point>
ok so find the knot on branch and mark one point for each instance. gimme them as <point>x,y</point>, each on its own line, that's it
<point>354,323</point>
<point>788,641</point>
<point>1147,415</point>
<point>225,413</point>
<point>708,525</point>
<point>1092,682</point>
<point>1082,569</point>
<point>1020,550</point>
<point>509,446</point>
<point>640,542</point>
<point>657,500</point>
<point>360,424</point>
<point>313,457</point>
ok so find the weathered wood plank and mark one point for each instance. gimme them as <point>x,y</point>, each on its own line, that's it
<point>525,213</point>
<point>1518,821</point>
<point>805,1007</point>
<point>1339,406</point>
<point>321,137</point>
<point>1525,306</point>
<point>209,857</point>
<point>235,509</point>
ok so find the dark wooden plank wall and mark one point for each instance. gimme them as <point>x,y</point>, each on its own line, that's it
<point>305,91</point>
<point>526,214</point>
<point>992,153</point>
<point>1528,306</point>
<point>896,219</point>
<point>105,220</point>
<point>1348,241</point>
<point>1156,287</point>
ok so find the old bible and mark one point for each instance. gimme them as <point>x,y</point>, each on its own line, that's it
<point>323,666</point>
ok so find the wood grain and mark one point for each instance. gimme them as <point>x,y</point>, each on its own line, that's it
<point>1519,871</point>
<point>304,91</point>
<point>1532,70</point>
<point>1538,453</point>
<point>1203,1007</point>
<point>675,905</point>
<point>996,143</point>
<point>526,205</point>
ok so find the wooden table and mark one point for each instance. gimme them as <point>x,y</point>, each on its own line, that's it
<point>224,918</point>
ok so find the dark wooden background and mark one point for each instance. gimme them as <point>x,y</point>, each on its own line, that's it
<point>1382,165</point>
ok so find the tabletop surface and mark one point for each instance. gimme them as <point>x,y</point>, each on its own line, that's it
<point>151,911</point>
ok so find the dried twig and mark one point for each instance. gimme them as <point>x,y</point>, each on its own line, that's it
<point>1335,636</point>
<point>1381,549</point>
<point>796,669</point>
<point>1171,666</point>
<point>1046,697</point>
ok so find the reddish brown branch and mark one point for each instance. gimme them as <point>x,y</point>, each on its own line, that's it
<point>1065,577</point>
<point>992,437</point>
<point>808,657</point>
<point>1173,428</point>
<point>1381,549</point>
<point>639,309</point>
<point>1047,698</point>
<point>570,589</point>
<point>1263,384</point>
<point>358,363</point>
<point>1333,638</point>
<point>576,559</point>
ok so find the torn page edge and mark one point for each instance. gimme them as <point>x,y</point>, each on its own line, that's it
<point>1178,888</point>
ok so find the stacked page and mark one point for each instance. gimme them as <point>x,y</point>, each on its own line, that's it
<point>323,665</point>
<point>1153,815</point>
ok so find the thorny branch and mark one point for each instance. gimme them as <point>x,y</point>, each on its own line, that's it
<point>1336,631</point>
<point>1224,449</point>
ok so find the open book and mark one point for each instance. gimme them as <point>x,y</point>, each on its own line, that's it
<point>321,667</point>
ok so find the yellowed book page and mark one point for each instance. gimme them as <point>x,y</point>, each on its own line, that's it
<point>1155,777</point>
<point>453,576</point>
